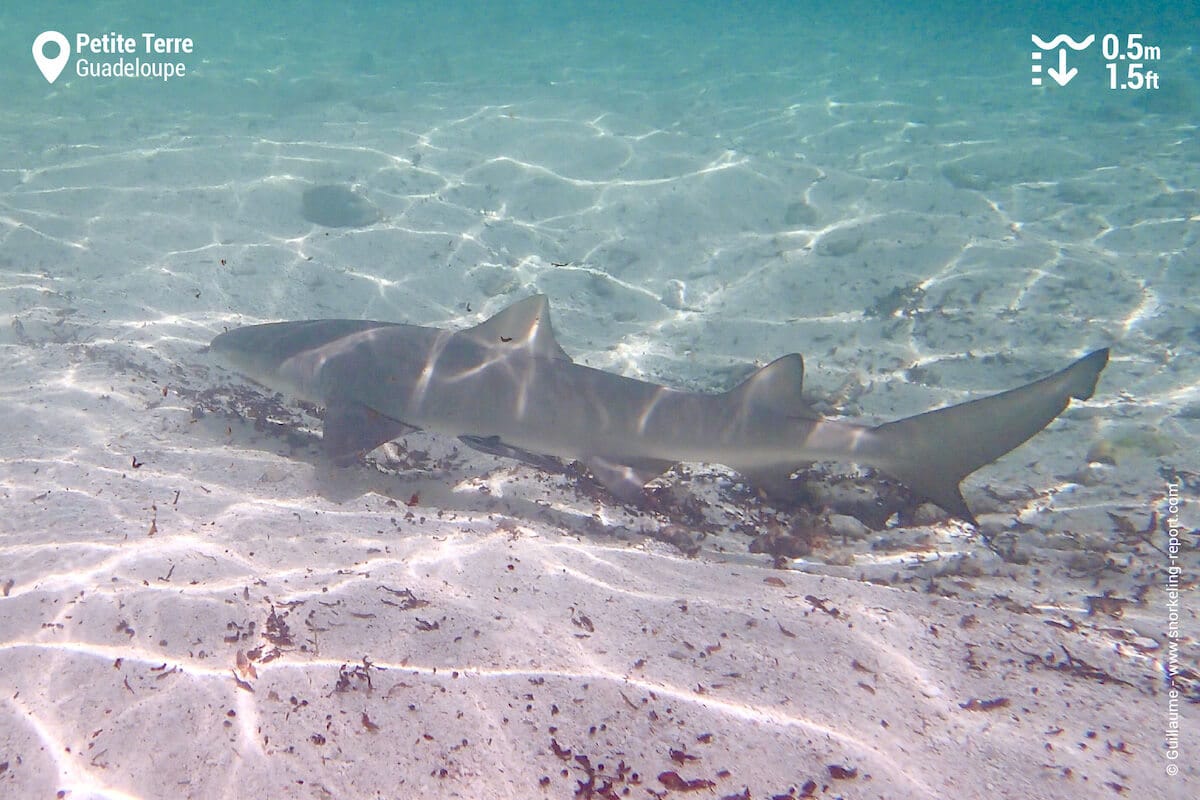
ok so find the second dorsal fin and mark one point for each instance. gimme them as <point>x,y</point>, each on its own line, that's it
<point>526,323</point>
<point>776,387</point>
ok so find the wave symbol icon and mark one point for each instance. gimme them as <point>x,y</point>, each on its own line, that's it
<point>1063,38</point>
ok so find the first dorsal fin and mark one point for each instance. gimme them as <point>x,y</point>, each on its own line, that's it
<point>526,323</point>
<point>775,388</point>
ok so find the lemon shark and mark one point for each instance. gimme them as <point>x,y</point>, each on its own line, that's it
<point>505,386</point>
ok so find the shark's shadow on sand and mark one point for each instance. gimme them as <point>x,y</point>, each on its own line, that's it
<point>505,387</point>
<point>426,476</point>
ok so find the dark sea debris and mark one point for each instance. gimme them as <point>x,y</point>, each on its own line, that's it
<point>277,631</point>
<point>672,780</point>
<point>900,301</point>
<point>975,704</point>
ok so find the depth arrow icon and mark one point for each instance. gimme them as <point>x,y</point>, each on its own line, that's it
<point>1062,76</point>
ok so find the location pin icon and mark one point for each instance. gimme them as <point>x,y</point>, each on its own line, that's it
<point>51,67</point>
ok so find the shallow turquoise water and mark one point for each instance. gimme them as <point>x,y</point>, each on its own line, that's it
<point>698,188</point>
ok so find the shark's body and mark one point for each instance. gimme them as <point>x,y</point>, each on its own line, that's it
<point>505,386</point>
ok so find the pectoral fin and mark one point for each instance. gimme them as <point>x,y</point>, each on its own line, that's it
<point>627,480</point>
<point>352,429</point>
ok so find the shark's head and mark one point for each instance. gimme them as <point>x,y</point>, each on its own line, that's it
<point>278,354</point>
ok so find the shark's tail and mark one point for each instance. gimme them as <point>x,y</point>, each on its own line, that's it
<point>930,453</point>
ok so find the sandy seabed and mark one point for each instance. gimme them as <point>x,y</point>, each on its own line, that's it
<point>196,605</point>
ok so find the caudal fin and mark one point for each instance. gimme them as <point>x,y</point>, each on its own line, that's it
<point>932,452</point>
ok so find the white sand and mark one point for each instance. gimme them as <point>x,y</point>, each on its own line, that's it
<point>196,608</point>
